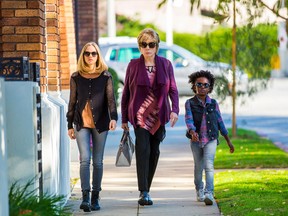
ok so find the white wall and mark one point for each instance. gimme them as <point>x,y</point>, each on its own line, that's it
<point>19,144</point>
<point>4,209</point>
<point>21,130</point>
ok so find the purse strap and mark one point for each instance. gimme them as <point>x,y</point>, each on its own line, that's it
<point>124,136</point>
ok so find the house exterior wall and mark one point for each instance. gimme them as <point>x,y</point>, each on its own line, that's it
<point>42,30</point>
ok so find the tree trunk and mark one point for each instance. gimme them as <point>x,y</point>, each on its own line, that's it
<point>234,126</point>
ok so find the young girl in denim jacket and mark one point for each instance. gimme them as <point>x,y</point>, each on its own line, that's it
<point>204,121</point>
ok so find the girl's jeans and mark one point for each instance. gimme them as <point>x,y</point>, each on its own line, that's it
<point>204,159</point>
<point>84,137</point>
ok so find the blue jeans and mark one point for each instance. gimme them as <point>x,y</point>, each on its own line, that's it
<point>204,160</point>
<point>84,138</point>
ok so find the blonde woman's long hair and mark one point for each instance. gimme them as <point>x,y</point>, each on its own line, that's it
<point>83,67</point>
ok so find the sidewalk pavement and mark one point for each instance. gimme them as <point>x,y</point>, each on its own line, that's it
<point>172,189</point>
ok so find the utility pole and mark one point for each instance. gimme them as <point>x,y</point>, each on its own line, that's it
<point>169,23</point>
<point>111,18</point>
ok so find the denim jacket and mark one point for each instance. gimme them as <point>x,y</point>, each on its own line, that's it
<point>194,115</point>
<point>211,117</point>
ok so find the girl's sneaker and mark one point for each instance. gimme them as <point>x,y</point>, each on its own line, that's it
<point>209,199</point>
<point>200,195</point>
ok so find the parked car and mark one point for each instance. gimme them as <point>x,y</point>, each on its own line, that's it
<point>118,52</point>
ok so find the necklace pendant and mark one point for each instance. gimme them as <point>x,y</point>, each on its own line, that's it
<point>150,69</point>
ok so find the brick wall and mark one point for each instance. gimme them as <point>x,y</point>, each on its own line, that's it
<point>43,30</point>
<point>53,44</point>
<point>87,22</point>
<point>68,56</point>
<point>23,32</point>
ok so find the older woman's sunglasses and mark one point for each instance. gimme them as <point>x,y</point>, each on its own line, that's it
<point>144,44</point>
<point>87,54</point>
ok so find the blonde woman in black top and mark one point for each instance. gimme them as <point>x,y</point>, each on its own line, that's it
<point>91,114</point>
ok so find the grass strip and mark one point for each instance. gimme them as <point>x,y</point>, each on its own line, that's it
<point>252,192</point>
<point>251,151</point>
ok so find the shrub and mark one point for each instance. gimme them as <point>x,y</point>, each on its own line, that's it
<point>115,82</point>
<point>24,201</point>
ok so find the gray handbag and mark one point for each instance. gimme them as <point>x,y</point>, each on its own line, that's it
<point>125,151</point>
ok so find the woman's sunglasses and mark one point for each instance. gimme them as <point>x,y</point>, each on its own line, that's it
<point>87,54</point>
<point>200,85</point>
<point>144,44</point>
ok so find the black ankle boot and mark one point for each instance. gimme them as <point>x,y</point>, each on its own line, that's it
<point>95,201</point>
<point>85,205</point>
<point>145,199</point>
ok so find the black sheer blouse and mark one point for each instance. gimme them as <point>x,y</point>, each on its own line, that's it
<point>99,93</point>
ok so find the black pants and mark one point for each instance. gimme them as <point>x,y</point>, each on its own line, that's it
<point>147,155</point>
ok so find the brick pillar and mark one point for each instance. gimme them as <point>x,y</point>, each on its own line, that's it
<point>22,32</point>
<point>68,58</point>
<point>53,44</point>
<point>87,19</point>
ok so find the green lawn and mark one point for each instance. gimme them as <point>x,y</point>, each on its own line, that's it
<point>251,190</point>
<point>251,151</point>
<point>249,193</point>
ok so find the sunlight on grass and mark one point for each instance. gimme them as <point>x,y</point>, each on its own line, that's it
<point>249,193</point>
<point>251,151</point>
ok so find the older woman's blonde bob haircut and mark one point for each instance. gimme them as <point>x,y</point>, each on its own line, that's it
<point>100,65</point>
<point>148,33</point>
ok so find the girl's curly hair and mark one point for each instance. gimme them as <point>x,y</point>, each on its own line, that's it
<point>207,74</point>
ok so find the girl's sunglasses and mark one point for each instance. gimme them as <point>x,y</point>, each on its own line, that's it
<point>144,44</point>
<point>87,54</point>
<point>200,85</point>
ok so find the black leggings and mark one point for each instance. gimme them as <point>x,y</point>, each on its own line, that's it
<point>147,155</point>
